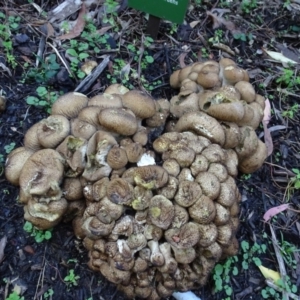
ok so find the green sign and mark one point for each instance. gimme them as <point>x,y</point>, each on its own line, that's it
<point>172,10</point>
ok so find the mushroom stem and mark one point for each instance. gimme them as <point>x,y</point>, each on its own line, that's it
<point>156,258</point>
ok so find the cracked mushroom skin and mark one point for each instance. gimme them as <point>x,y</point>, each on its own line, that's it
<point>41,176</point>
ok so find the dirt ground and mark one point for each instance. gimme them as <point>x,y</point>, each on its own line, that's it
<point>242,30</point>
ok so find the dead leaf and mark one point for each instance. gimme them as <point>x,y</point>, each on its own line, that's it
<point>274,211</point>
<point>79,26</point>
<point>103,30</point>
<point>218,21</point>
<point>50,30</point>
<point>267,133</point>
<point>3,243</point>
<point>181,59</point>
<point>269,274</point>
<point>194,23</point>
<point>290,52</point>
<point>279,57</point>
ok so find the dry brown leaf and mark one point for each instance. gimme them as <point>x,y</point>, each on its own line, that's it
<point>181,59</point>
<point>3,243</point>
<point>219,21</point>
<point>103,30</point>
<point>79,26</point>
<point>279,57</point>
<point>50,30</point>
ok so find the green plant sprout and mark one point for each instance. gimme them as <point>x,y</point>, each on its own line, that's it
<point>46,71</point>
<point>248,5</point>
<point>49,293</point>
<point>10,147</point>
<point>288,79</point>
<point>14,296</point>
<point>71,279</point>
<point>39,235</point>
<point>222,274</point>
<point>291,112</point>
<point>45,98</point>
<point>7,26</point>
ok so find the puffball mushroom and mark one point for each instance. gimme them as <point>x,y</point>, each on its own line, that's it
<point>150,229</point>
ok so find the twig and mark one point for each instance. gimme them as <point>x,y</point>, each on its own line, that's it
<point>272,285</point>
<point>280,261</point>
<point>62,60</point>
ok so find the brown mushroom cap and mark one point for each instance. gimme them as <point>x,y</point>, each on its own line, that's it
<point>118,120</point>
<point>150,177</point>
<point>247,91</point>
<point>161,211</point>
<point>116,88</point>
<point>201,124</point>
<point>53,130</point>
<point>82,129</point>
<point>142,105</point>
<point>106,101</point>
<point>117,158</point>
<point>31,140</point>
<point>69,105</point>
<point>41,176</point>
<point>174,79</point>
<point>15,162</point>
<point>255,160</point>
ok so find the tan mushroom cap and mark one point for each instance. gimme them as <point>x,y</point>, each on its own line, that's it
<point>233,74</point>
<point>246,90</point>
<point>90,114</point>
<point>69,105</point>
<point>106,100</point>
<point>15,162</point>
<point>116,88</point>
<point>174,79</point>
<point>254,162</point>
<point>118,120</point>
<point>142,105</point>
<point>203,125</point>
<point>42,175</point>
<point>53,130</point>
<point>31,140</point>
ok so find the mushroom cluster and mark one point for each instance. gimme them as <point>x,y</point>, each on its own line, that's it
<point>155,217</point>
<point>156,229</point>
<point>217,101</point>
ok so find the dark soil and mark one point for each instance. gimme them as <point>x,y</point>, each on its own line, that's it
<point>37,267</point>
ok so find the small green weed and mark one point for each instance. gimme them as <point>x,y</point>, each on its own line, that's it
<point>7,26</point>
<point>289,79</point>
<point>222,275</point>
<point>10,147</point>
<point>49,293</point>
<point>14,296</point>
<point>243,36</point>
<point>290,113</point>
<point>295,181</point>
<point>246,176</point>
<point>45,98</point>
<point>39,235</point>
<point>217,38</point>
<point>71,279</point>
<point>248,5</point>
<point>110,13</point>
<point>46,71</point>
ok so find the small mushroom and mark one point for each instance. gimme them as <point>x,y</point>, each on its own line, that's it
<point>161,211</point>
<point>156,258</point>
<point>150,177</point>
